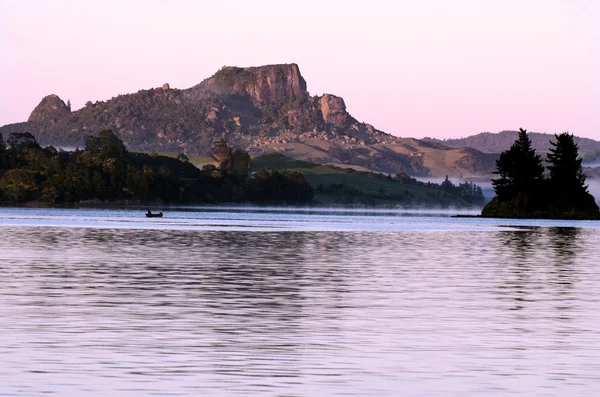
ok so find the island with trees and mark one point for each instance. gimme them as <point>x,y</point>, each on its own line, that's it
<point>524,190</point>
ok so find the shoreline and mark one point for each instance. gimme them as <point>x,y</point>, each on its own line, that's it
<point>235,205</point>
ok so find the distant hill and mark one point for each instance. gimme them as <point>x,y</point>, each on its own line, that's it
<point>335,185</point>
<point>260,109</point>
<point>496,143</point>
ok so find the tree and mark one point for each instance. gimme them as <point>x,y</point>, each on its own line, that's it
<point>565,168</point>
<point>471,193</point>
<point>221,153</point>
<point>236,162</point>
<point>447,186</point>
<point>22,140</point>
<point>239,163</point>
<point>106,144</point>
<point>107,158</point>
<point>111,145</point>
<point>520,168</point>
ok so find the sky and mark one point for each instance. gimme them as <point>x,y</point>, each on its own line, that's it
<point>438,68</point>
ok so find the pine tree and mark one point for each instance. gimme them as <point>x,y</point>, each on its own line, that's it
<point>519,167</point>
<point>447,186</point>
<point>565,168</point>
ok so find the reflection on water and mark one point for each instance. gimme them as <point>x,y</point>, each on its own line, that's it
<point>100,311</point>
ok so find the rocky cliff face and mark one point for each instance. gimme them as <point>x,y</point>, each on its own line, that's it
<point>333,109</point>
<point>260,109</point>
<point>274,83</point>
<point>50,110</point>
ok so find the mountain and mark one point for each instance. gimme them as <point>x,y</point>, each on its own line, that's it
<point>260,109</point>
<point>496,143</point>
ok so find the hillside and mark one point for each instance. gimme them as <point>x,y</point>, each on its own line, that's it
<point>335,185</point>
<point>260,109</point>
<point>496,143</point>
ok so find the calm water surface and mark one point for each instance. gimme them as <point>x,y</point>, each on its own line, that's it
<point>229,302</point>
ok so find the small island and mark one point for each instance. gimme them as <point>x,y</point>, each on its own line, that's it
<point>524,191</point>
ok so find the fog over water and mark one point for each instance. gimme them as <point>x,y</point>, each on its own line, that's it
<point>271,302</point>
<point>488,189</point>
<point>594,188</point>
<point>484,183</point>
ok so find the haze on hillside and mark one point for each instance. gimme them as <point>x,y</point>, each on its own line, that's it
<point>413,69</point>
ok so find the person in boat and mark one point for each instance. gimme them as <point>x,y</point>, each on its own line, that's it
<point>149,213</point>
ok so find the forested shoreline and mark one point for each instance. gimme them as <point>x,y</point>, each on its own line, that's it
<point>106,173</point>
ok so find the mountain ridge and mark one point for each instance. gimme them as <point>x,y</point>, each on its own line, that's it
<point>261,109</point>
<point>488,142</point>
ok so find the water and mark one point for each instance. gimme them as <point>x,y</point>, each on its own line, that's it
<point>296,303</point>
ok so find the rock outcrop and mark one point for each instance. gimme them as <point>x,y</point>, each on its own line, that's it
<point>272,83</point>
<point>50,110</point>
<point>333,109</point>
<point>260,109</point>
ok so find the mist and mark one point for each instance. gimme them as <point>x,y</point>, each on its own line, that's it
<point>489,193</point>
<point>484,183</point>
<point>594,188</point>
<point>591,165</point>
<point>325,210</point>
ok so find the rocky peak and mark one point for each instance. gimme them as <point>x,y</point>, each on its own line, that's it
<point>50,109</point>
<point>271,83</point>
<point>333,109</point>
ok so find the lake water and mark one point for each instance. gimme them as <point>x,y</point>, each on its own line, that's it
<point>230,302</point>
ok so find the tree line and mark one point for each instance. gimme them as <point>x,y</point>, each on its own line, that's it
<point>105,171</point>
<point>467,191</point>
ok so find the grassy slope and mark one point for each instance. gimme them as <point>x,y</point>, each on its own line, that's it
<point>198,161</point>
<point>441,162</point>
<point>370,185</point>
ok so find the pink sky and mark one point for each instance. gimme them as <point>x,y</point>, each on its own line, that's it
<point>446,68</point>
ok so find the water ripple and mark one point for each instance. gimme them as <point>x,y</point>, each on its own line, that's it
<point>412,306</point>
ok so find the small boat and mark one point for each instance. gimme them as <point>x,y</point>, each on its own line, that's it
<point>149,214</point>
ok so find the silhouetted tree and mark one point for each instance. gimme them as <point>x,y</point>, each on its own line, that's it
<point>565,165</point>
<point>519,167</point>
<point>523,192</point>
